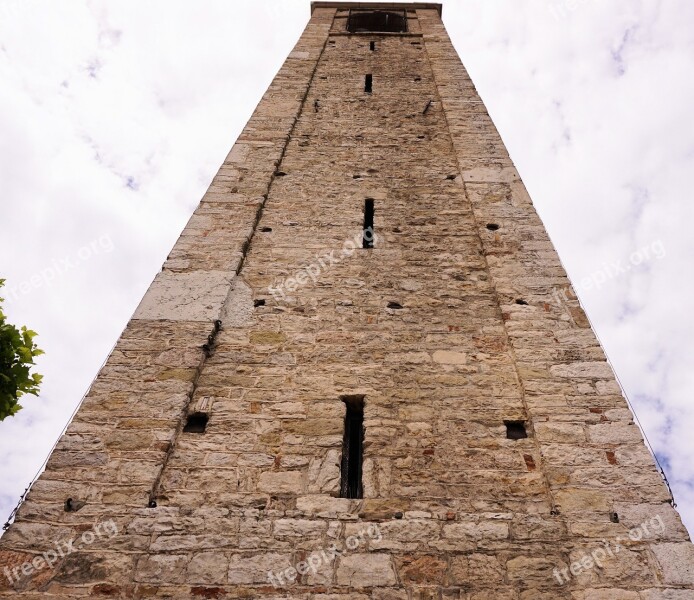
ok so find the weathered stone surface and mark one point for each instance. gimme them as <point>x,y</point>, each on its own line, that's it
<point>487,530</point>
<point>324,505</point>
<point>614,433</point>
<point>533,568</point>
<point>255,569</point>
<point>422,569</point>
<point>282,482</point>
<point>666,594</point>
<point>451,325</point>
<point>676,562</point>
<point>299,528</point>
<point>365,570</point>
<point>588,370</point>
<point>565,433</point>
<point>449,358</point>
<point>237,310</point>
<point>486,569</point>
<point>582,500</point>
<point>606,594</point>
<point>156,568</point>
<point>207,568</point>
<point>324,474</point>
<point>194,296</point>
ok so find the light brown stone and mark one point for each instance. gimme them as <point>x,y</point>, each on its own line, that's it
<point>281,482</point>
<point>365,570</point>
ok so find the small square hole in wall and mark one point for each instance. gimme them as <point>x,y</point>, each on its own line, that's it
<point>72,505</point>
<point>196,423</point>
<point>515,430</point>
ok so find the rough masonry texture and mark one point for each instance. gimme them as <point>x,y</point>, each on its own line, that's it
<point>268,312</point>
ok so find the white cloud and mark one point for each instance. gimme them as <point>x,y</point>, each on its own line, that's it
<point>115,116</point>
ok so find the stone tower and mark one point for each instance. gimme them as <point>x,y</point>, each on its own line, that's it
<point>354,377</point>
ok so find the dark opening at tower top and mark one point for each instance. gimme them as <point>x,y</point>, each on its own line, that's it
<point>375,21</point>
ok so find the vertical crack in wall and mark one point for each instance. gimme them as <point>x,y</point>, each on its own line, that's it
<point>511,350</point>
<point>207,351</point>
<point>236,286</point>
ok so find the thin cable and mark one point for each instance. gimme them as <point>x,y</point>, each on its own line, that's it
<point>238,270</point>
<point>14,512</point>
<point>619,381</point>
<point>633,410</point>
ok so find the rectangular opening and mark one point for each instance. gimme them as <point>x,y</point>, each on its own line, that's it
<point>368,235</point>
<point>376,21</point>
<point>196,423</point>
<point>515,430</point>
<point>352,448</point>
<point>372,46</point>
<point>368,83</point>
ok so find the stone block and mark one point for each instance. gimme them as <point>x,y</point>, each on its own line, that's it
<point>365,570</point>
<point>282,482</point>
<point>676,562</point>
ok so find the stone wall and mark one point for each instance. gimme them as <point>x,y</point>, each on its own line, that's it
<point>267,313</point>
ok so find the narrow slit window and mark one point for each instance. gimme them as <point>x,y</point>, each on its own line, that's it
<point>372,46</point>
<point>368,235</point>
<point>368,83</point>
<point>352,448</point>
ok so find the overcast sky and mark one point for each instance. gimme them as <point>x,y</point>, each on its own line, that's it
<point>114,117</point>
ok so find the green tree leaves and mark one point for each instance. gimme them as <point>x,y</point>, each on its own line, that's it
<point>17,353</point>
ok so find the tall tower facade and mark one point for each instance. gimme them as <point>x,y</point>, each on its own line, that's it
<point>357,374</point>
